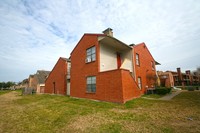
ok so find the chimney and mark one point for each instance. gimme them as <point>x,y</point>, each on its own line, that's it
<point>195,73</point>
<point>108,32</point>
<point>179,73</point>
<point>187,72</point>
<point>178,69</point>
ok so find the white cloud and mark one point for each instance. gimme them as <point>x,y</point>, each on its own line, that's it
<point>34,34</point>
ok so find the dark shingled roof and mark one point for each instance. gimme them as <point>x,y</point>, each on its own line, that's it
<point>41,76</point>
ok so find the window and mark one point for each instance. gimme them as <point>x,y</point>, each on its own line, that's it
<point>152,64</point>
<point>137,60</point>
<point>68,67</point>
<point>91,84</point>
<point>140,82</point>
<point>68,70</point>
<point>91,54</point>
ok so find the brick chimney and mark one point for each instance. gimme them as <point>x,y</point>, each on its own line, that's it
<point>195,73</point>
<point>187,72</point>
<point>108,32</point>
<point>179,73</point>
<point>180,77</point>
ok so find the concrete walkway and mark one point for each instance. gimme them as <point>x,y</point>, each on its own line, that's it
<point>170,96</point>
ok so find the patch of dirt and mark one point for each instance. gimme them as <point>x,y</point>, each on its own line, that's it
<point>9,97</point>
<point>115,110</point>
<point>82,123</point>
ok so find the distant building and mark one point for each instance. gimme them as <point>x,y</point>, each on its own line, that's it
<point>22,84</point>
<point>166,79</point>
<point>37,81</point>
<point>178,78</point>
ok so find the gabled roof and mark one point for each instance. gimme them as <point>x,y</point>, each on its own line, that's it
<point>115,43</point>
<point>116,40</point>
<point>129,46</point>
<point>110,37</point>
<point>61,58</point>
<point>86,34</point>
<point>41,76</point>
<point>31,76</point>
<point>144,45</point>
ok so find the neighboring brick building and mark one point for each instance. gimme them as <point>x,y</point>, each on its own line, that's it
<point>58,81</point>
<point>185,79</point>
<point>104,68</point>
<point>166,79</point>
<point>37,81</point>
<point>178,78</point>
<point>195,78</point>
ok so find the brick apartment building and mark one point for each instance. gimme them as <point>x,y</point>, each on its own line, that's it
<point>104,68</point>
<point>58,81</point>
<point>186,79</point>
<point>37,81</point>
<point>178,78</point>
<point>166,79</point>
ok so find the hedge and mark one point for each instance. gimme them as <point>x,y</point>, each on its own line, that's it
<point>163,90</point>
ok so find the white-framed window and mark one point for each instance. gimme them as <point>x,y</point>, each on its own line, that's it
<point>90,54</point>
<point>140,82</point>
<point>137,59</point>
<point>91,84</point>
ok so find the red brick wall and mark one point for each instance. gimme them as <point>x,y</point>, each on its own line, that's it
<point>109,86</point>
<point>145,70</point>
<point>57,75</point>
<point>130,87</point>
<point>79,69</point>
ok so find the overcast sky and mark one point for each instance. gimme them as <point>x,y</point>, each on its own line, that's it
<point>35,33</point>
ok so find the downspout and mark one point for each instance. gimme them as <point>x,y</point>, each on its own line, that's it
<point>133,62</point>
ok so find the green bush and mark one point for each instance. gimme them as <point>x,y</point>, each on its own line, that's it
<point>190,88</point>
<point>197,88</point>
<point>163,90</point>
<point>33,91</point>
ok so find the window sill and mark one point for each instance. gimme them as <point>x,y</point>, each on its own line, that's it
<point>89,62</point>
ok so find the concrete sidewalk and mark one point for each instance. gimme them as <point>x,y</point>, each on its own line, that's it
<point>170,96</point>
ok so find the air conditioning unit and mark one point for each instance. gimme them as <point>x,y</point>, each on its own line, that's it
<point>87,60</point>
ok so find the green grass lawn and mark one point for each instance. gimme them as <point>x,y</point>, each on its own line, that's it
<point>51,113</point>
